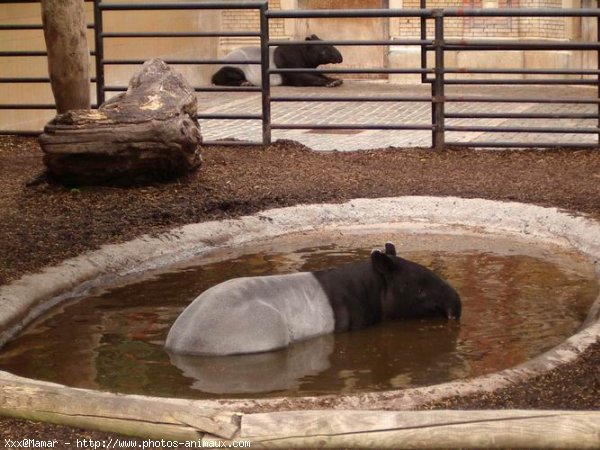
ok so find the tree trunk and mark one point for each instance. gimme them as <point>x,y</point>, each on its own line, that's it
<point>68,54</point>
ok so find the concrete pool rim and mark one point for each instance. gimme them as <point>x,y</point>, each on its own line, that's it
<point>28,297</point>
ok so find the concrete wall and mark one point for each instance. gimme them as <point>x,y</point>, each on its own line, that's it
<point>553,29</point>
<point>349,29</point>
<point>142,48</point>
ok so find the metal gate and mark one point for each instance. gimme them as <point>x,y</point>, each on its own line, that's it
<point>438,44</point>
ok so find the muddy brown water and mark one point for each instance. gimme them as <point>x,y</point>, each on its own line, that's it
<point>519,299</point>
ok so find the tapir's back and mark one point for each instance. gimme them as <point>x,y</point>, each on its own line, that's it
<point>253,71</point>
<point>254,314</point>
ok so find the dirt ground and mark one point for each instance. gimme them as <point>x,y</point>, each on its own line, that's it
<point>44,224</point>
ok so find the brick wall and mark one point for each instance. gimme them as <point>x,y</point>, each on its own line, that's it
<point>247,20</point>
<point>500,27</point>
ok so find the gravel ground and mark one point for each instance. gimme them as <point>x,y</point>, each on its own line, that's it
<point>44,224</point>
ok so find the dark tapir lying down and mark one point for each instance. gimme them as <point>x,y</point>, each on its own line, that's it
<point>283,57</point>
<point>256,314</point>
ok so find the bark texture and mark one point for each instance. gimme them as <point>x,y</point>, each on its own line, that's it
<point>146,134</point>
<point>65,32</point>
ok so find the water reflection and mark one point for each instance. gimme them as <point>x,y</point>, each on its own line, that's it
<point>256,373</point>
<point>336,361</point>
<point>517,302</point>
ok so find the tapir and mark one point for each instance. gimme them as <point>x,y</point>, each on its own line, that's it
<point>283,57</point>
<point>258,314</point>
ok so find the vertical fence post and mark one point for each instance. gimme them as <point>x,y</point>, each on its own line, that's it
<point>99,47</point>
<point>438,93</point>
<point>265,77</point>
<point>423,5</point>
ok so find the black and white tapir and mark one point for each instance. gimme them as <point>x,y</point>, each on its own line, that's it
<point>257,314</point>
<point>283,57</point>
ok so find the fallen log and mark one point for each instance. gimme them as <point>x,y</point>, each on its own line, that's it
<point>146,134</point>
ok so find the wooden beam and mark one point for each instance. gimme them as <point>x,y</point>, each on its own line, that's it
<point>423,429</point>
<point>133,415</point>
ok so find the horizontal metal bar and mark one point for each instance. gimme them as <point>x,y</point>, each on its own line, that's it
<point>31,26</point>
<point>480,45</point>
<point>22,27</point>
<point>374,70</point>
<point>31,80</point>
<point>229,116</point>
<point>463,99</point>
<point>4,2</point>
<point>178,6</point>
<point>429,13</point>
<point>197,89</point>
<point>521,12</point>
<point>521,144</point>
<point>450,115</point>
<point>315,126</point>
<point>290,98</point>
<point>355,13</point>
<point>231,142</point>
<point>27,106</point>
<point>157,34</point>
<point>281,43</point>
<point>21,132</point>
<point>177,61</point>
<point>522,129</point>
<point>522,82</point>
<point>26,53</point>
<point>227,89</point>
<point>25,80</point>
<point>523,71</point>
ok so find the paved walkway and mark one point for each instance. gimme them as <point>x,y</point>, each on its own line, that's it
<point>394,113</point>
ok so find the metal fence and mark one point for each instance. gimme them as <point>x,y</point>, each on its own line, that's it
<point>439,45</point>
<point>102,62</point>
<point>28,80</point>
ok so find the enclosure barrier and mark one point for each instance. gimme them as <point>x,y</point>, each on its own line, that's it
<point>439,46</point>
<point>478,45</point>
<point>101,61</point>
<point>435,76</point>
<point>28,80</point>
<point>359,13</point>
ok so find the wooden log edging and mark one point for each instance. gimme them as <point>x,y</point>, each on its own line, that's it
<point>183,420</point>
<point>132,415</point>
<point>423,429</point>
<point>28,297</point>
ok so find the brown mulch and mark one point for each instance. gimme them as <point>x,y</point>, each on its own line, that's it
<point>44,224</point>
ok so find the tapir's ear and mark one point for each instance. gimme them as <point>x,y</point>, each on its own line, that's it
<point>390,249</point>
<point>382,263</point>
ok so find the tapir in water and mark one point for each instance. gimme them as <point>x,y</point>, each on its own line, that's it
<point>257,314</point>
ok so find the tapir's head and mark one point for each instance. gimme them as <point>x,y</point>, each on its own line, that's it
<point>322,54</point>
<point>412,290</point>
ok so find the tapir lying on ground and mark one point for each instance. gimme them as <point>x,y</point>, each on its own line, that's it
<point>257,314</point>
<point>282,57</point>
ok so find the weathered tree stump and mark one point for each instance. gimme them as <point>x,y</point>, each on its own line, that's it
<point>148,133</point>
<point>65,29</point>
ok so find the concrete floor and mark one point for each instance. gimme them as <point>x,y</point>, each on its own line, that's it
<point>386,113</point>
